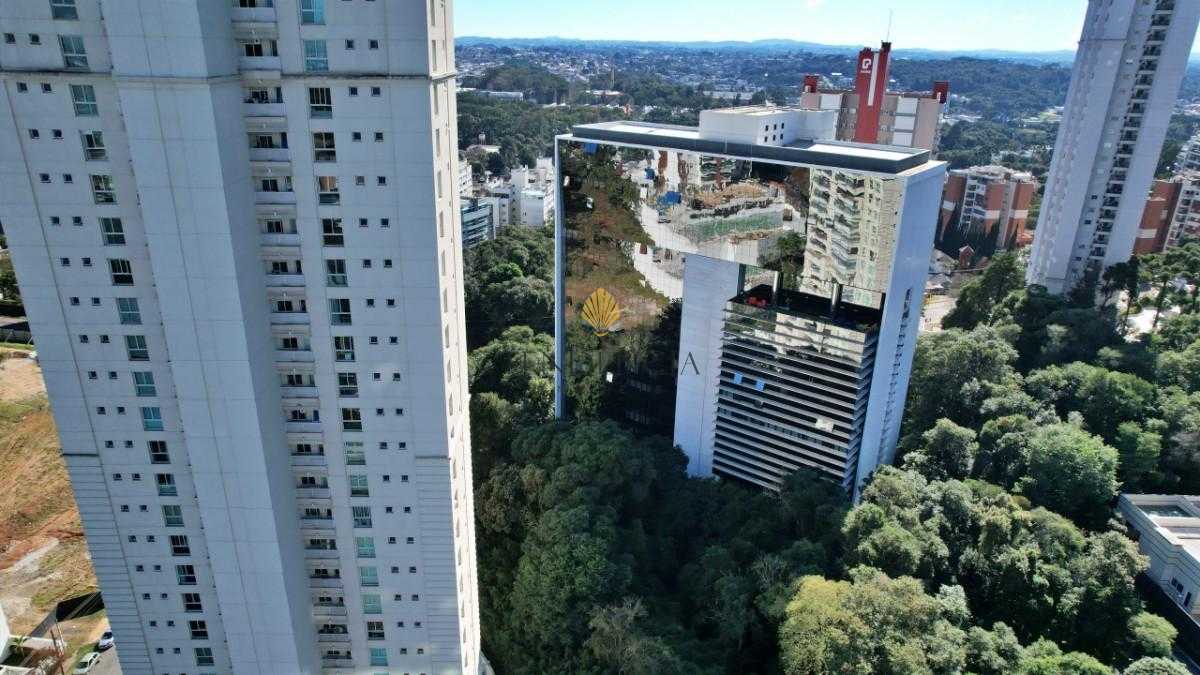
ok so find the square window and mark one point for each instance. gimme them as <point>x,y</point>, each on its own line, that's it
<point>384,222</point>
<point>349,44</point>
<point>381,180</point>
<point>10,39</point>
<point>373,44</point>
<point>358,180</point>
<point>35,39</point>
<point>34,134</point>
<point>378,136</point>
<point>56,134</point>
<point>356,136</point>
<point>21,86</point>
<point>354,91</point>
<point>376,91</point>
<point>373,340</point>
<point>46,89</point>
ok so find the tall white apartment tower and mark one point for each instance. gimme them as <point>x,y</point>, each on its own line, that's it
<point>235,224</point>
<point>1128,68</point>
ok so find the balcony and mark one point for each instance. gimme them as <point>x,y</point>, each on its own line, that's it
<point>310,523</point>
<point>332,637</point>
<point>322,554</point>
<point>320,609</point>
<point>272,160</point>
<point>253,14</point>
<point>265,113</point>
<point>284,280</point>
<point>313,493</point>
<point>281,239</point>
<point>309,459</point>
<point>262,197</point>
<point>260,64</point>
<point>301,426</point>
<point>324,582</point>
<point>294,356</point>
<point>289,318</point>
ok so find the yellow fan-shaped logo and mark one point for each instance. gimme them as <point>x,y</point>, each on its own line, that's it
<point>601,312</point>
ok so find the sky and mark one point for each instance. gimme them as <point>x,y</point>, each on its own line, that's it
<point>1018,25</point>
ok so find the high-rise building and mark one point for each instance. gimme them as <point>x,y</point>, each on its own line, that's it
<point>985,207</point>
<point>871,114</point>
<point>234,225</point>
<point>478,221</point>
<point>1127,72</point>
<point>749,288</point>
<point>1171,215</point>
<point>1188,158</point>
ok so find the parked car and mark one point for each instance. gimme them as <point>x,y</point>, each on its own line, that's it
<point>106,641</point>
<point>86,664</point>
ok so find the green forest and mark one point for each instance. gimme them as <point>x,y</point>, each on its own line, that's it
<point>990,548</point>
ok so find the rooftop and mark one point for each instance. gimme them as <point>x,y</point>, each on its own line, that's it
<point>1176,518</point>
<point>885,159</point>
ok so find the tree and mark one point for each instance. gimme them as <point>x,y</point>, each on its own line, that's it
<point>1149,636</point>
<point>979,297</point>
<point>1071,472</point>
<point>496,165</point>
<point>1045,658</point>
<point>871,624</point>
<point>951,375</point>
<point>1156,666</point>
<point>619,642</point>
<point>948,451</point>
<point>1139,451</point>
<point>509,364</point>
<point>9,292</point>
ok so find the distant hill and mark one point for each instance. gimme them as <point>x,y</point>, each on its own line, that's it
<point>772,45</point>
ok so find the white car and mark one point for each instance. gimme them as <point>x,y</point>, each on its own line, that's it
<point>106,641</point>
<point>86,664</point>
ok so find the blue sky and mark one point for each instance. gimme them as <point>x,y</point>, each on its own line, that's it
<point>1022,25</point>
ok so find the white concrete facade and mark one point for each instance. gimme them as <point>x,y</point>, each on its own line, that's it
<point>235,227</point>
<point>1128,68</point>
<point>1165,527</point>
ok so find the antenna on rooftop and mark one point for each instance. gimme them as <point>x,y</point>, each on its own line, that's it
<point>891,12</point>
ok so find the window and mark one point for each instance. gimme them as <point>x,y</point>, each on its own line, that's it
<point>135,345</point>
<point>143,383</point>
<point>46,89</point>
<point>358,180</point>
<point>359,486</point>
<point>375,630</point>
<point>191,602</point>
<point>353,91</point>
<point>74,56</point>
<point>331,232</point>
<point>368,576</point>
<point>381,180</point>
<point>185,575</point>
<point>179,545</point>
<point>152,418</point>
<point>320,102</point>
<point>128,312</point>
<point>327,190</point>
<point>378,136</point>
<point>121,272</point>
<point>172,515</point>
<point>102,190</point>
<point>204,656</point>
<point>355,136</point>
<point>339,312</point>
<point>376,91</point>
<point>11,39</point>
<point>198,630</point>
<point>347,385</point>
<point>372,44</point>
<point>84,98</point>
<point>158,452</point>
<point>335,273</point>
<point>93,145</point>
<point>312,11</point>
<point>324,148</point>
<point>351,419</point>
<point>343,348</point>
<point>254,48</point>
<point>316,58</point>
<point>166,485</point>
<point>113,231</point>
<point>364,547</point>
<point>355,456</point>
<point>362,516</point>
<point>350,45</point>
<point>378,654</point>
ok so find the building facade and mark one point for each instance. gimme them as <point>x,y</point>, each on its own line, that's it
<point>1165,527</point>
<point>478,222</point>
<point>757,301</point>
<point>1171,215</point>
<point>986,207</point>
<point>1128,69</point>
<point>234,228</point>
<point>1188,158</point>
<point>871,114</point>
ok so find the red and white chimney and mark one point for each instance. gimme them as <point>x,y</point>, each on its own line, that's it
<point>870,83</point>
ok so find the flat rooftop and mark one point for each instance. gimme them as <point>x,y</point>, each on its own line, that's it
<point>885,159</point>
<point>1176,518</point>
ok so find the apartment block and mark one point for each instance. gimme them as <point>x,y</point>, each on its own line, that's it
<point>985,207</point>
<point>686,304</point>
<point>871,114</point>
<point>235,228</point>
<point>1128,68</point>
<point>478,221</point>
<point>1171,215</point>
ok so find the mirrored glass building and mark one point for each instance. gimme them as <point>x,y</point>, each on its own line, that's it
<point>748,288</point>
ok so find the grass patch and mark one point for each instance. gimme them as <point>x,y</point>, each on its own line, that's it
<point>17,345</point>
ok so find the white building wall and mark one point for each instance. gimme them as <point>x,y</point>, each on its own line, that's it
<point>195,240</point>
<point>1071,234</point>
